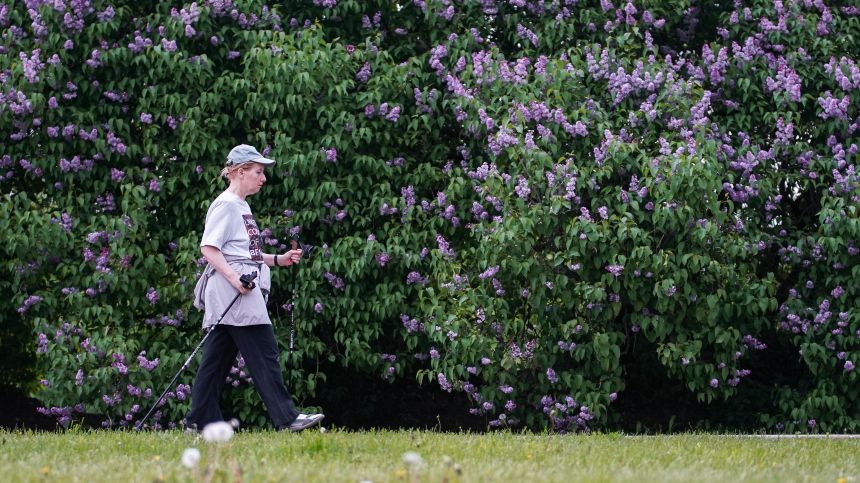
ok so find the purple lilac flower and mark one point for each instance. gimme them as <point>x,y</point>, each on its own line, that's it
<point>42,344</point>
<point>490,272</point>
<point>330,155</point>
<point>522,189</point>
<point>364,73</point>
<point>394,115</point>
<point>834,107</point>
<point>444,247</point>
<point>498,286</point>
<point>615,269</point>
<point>603,212</point>
<point>527,34</point>
<point>146,364</point>
<point>337,282</point>
<point>447,386</point>
<point>382,258</point>
<point>31,301</point>
<point>415,277</point>
<point>116,175</point>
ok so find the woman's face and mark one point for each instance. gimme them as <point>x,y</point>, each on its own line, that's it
<point>252,179</point>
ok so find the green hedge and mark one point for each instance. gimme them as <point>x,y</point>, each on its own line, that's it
<point>508,197</point>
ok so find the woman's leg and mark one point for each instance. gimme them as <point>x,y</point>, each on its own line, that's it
<point>218,355</point>
<point>259,348</point>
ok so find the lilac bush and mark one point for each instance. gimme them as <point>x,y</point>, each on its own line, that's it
<point>528,193</point>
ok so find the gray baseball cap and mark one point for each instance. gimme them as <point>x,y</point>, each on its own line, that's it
<point>244,153</point>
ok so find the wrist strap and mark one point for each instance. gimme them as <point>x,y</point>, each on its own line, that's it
<point>276,261</point>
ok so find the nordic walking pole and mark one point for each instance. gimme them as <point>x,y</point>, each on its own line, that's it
<point>248,283</point>
<point>306,253</point>
<point>295,244</point>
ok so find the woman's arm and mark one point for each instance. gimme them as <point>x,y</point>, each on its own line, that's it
<point>219,263</point>
<point>289,258</point>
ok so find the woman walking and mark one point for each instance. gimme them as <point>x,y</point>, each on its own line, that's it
<point>233,247</point>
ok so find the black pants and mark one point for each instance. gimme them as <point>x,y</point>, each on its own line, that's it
<point>260,350</point>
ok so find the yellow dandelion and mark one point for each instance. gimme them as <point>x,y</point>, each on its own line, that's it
<point>156,458</point>
<point>401,474</point>
<point>528,456</point>
<point>842,480</point>
<point>45,470</point>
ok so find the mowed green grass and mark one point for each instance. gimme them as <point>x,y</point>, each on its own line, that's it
<point>337,456</point>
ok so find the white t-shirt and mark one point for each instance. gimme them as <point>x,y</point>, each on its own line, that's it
<point>231,228</point>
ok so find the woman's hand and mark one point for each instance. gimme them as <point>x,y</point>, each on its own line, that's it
<point>292,256</point>
<point>236,282</point>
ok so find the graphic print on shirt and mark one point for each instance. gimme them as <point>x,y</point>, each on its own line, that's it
<point>256,245</point>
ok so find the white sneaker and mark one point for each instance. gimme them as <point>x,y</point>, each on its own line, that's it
<point>305,421</point>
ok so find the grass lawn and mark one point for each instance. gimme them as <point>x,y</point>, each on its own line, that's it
<point>313,456</point>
